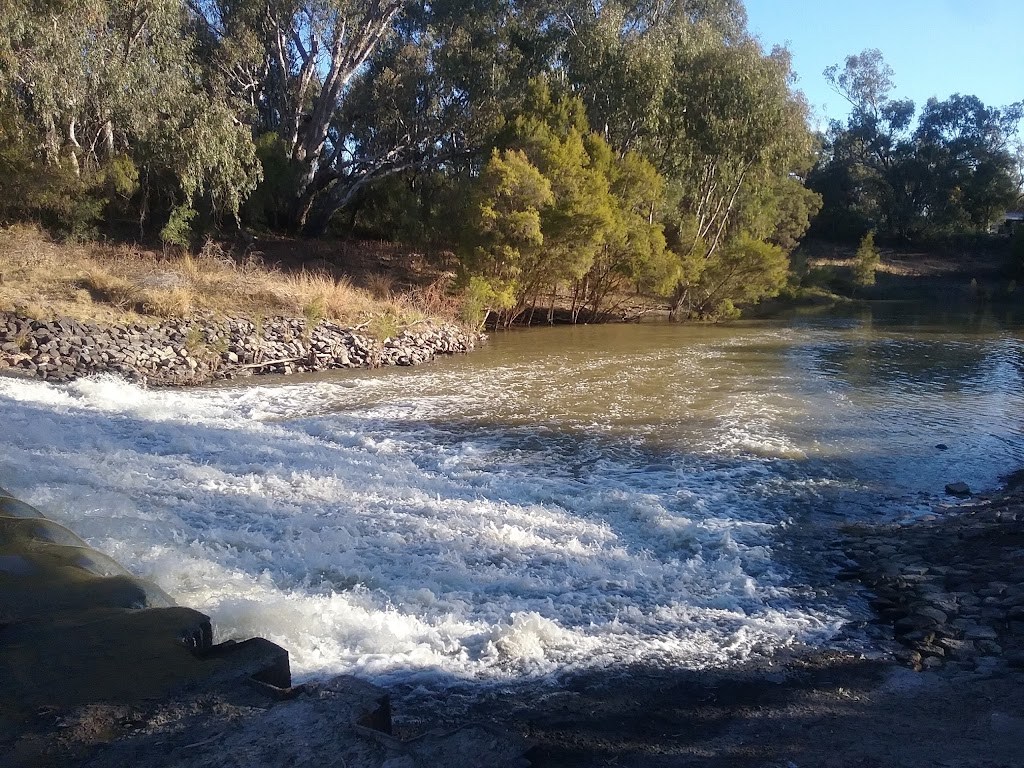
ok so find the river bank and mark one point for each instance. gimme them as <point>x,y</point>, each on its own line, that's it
<point>198,351</point>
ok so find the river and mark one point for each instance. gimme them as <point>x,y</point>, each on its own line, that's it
<point>564,499</point>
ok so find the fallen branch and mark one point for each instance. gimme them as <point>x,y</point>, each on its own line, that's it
<point>266,363</point>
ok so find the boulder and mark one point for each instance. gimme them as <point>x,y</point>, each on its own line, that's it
<point>958,488</point>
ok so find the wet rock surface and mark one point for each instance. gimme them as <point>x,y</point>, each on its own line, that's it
<point>798,709</point>
<point>197,351</point>
<point>948,589</point>
<point>939,683</point>
<point>100,668</point>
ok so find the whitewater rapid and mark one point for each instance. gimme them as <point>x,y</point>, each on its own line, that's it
<point>368,536</point>
<point>559,501</point>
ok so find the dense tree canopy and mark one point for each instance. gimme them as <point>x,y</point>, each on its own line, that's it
<point>109,101</point>
<point>956,170</point>
<point>578,149</point>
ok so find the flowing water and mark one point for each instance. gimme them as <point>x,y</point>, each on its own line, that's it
<point>563,499</point>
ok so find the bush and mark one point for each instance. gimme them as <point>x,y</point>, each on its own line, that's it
<point>178,230</point>
<point>866,261</point>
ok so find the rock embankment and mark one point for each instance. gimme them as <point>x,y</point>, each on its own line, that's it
<point>196,351</point>
<point>949,590</point>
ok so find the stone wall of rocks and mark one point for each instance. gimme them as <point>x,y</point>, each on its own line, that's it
<point>191,351</point>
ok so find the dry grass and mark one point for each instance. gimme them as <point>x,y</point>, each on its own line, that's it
<point>116,282</point>
<point>380,285</point>
<point>907,261</point>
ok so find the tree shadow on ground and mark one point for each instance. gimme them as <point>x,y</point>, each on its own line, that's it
<point>799,709</point>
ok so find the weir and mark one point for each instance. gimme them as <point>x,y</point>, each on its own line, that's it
<point>97,665</point>
<point>77,629</point>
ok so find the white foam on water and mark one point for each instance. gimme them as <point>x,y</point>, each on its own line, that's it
<point>403,532</point>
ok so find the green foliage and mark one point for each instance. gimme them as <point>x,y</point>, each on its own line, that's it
<point>32,189</point>
<point>866,261</point>
<point>270,199</point>
<point>955,173</point>
<point>178,229</point>
<point>113,99</point>
<point>562,212</point>
<point>480,296</point>
<point>634,252</point>
<point>584,151</point>
<point>745,271</point>
<point>504,236</point>
<point>780,211</point>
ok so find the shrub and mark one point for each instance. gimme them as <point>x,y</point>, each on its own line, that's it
<point>178,229</point>
<point>866,261</point>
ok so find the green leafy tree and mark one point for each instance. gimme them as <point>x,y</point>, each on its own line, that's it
<point>967,147</point>
<point>866,261</point>
<point>740,128</point>
<point>504,233</point>
<point>955,172</point>
<point>555,135</point>
<point>296,63</point>
<point>634,253</point>
<point>745,271</point>
<point>115,94</point>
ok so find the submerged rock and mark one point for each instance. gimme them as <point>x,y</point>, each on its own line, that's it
<point>954,587</point>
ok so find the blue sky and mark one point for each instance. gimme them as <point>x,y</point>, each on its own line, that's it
<point>936,48</point>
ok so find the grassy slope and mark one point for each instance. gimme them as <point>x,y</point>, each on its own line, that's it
<point>912,273</point>
<point>98,281</point>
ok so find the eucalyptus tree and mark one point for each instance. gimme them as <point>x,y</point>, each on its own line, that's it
<point>355,91</point>
<point>969,150</point>
<point>618,55</point>
<point>115,93</point>
<point>294,62</point>
<point>875,143</point>
<point>954,172</point>
<point>684,85</point>
<point>733,126</point>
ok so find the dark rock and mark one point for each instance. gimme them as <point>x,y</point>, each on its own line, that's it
<point>932,613</point>
<point>957,649</point>
<point>959,488</point>
<point>1015,659</point>
<point>928,649</point>
<point>989,647</point>
<point>915,622</point>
